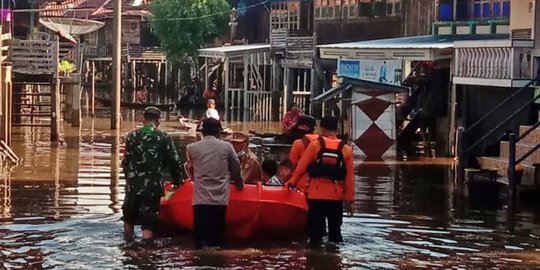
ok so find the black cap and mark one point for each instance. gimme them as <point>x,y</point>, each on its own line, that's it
<point>330,123</point>
<point>307,120</point>
<point>211,126</point>
<point>152,113</point>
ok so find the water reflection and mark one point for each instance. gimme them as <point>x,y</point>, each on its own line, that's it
<point>61,209</point>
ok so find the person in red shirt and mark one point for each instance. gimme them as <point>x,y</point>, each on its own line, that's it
<point>329,163</point>
<point>291,117</point>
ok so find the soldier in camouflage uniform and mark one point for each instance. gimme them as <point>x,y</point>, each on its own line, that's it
<point>148,152</point>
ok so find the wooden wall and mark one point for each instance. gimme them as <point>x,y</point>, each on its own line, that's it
<point>254,25</point>
<point>418,15</point>
<point>413,18</point>
<point>344,29</point>
<point>131,30</point>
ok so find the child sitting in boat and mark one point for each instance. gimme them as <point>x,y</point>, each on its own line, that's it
<point>268,171</point>
<point>211,111</point>
<point>283,174</point>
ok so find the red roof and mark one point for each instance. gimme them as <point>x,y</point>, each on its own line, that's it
<point>86,9</point>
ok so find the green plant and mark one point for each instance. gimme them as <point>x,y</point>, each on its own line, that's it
<point>66,66</point>
<point>184,26</point>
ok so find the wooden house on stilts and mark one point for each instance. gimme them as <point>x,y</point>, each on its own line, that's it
<point>258,82</point>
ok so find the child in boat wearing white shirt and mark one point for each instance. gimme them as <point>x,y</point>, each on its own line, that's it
<point>268,170</point>
<point>211,111</point>
<point>282,174</point>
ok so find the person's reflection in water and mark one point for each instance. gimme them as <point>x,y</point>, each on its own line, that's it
<point>323,258</point>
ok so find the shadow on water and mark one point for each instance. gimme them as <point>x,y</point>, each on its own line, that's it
<point>60,209</point>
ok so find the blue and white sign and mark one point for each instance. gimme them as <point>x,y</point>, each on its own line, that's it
<point>383,71</point>
<point>349,68</point>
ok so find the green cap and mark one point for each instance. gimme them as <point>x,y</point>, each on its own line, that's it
<point>152,112</point>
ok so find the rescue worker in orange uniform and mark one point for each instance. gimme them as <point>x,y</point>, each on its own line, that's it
<point>299,146</point>
<point>329,163</point>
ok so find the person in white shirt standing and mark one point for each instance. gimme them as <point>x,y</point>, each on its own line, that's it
<point>211,111</point>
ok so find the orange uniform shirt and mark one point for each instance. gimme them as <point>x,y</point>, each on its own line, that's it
<point>297,149</point>
<point>323,189</point>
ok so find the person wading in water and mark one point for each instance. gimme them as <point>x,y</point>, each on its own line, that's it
<point>147,154</point>
<point>329,163</point>
<point>210,161</point>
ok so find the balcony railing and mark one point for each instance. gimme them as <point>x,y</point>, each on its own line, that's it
<point>494,59</point>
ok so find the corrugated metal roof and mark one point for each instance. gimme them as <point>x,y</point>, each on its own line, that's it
<point>234,49</point>
<point>90,8</point>
<point>416,42</point>
<point>348,83</point>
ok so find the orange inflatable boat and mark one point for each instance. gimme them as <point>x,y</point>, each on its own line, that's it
<point>256,211</point>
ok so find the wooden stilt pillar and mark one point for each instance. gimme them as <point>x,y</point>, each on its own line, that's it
<point>291,83</point>
<point>8,91</point>
<point>68,90</point>
<point>276,88</point>
<point>76,102</point>
<point>247,86</point>
<point>116,65</point>
<point>226,88</point>
<point>133,80</point>
<point>115,166</point>
<point>167,70</point>
<point>17,88</point>
<point>93,88</point>
<point>206,79</point>
<point>55,110</point>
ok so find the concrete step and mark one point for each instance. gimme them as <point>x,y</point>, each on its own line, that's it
<point>521,150</point>
<point>501,165</point>
<point>532,138</point>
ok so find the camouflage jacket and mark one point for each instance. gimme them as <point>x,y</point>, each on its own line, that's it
<point>148,152</point>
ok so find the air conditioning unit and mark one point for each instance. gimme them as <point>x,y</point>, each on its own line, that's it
<point>522,19</point>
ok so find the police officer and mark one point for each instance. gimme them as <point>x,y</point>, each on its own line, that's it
<point>148,152</point>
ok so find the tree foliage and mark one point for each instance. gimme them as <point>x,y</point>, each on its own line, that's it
<point>184,26</point>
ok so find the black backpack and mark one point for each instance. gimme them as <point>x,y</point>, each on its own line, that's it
<point>329,163</point>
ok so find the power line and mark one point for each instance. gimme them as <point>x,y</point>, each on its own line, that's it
<point>207,15</point>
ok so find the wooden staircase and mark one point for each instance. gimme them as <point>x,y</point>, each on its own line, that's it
<point>500,163</point>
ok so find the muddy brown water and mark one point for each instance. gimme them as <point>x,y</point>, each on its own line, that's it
<point>60,209</point>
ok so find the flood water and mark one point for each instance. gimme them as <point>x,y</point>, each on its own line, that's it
<point>60,209</point>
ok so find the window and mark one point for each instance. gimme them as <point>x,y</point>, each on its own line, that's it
<point>379,8</point>
<point>364,8</point>
<point>490,9</point>
<point>285,15</point>
<point>463,10</point>
<point>353,7</point>
<point>446,10</point>
<point>393,7</point>
<point>337,9</point>
<point>345,8</point>
<point>349,8</point>
<point>318,7</point>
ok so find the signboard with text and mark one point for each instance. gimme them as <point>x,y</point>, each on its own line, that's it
<point>383,71</point>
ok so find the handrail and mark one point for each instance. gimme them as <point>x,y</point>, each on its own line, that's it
<point>528,153</point>
<point>528,131</point>
<point>488,114</point>
<point>499,125</point>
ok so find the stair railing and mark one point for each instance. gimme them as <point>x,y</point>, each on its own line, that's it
<point>512,161</point>
<point>465,149</point>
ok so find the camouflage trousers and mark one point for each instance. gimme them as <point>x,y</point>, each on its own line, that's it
<point>141,209</point>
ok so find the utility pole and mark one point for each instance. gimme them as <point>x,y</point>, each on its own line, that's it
<point>116,65</point>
